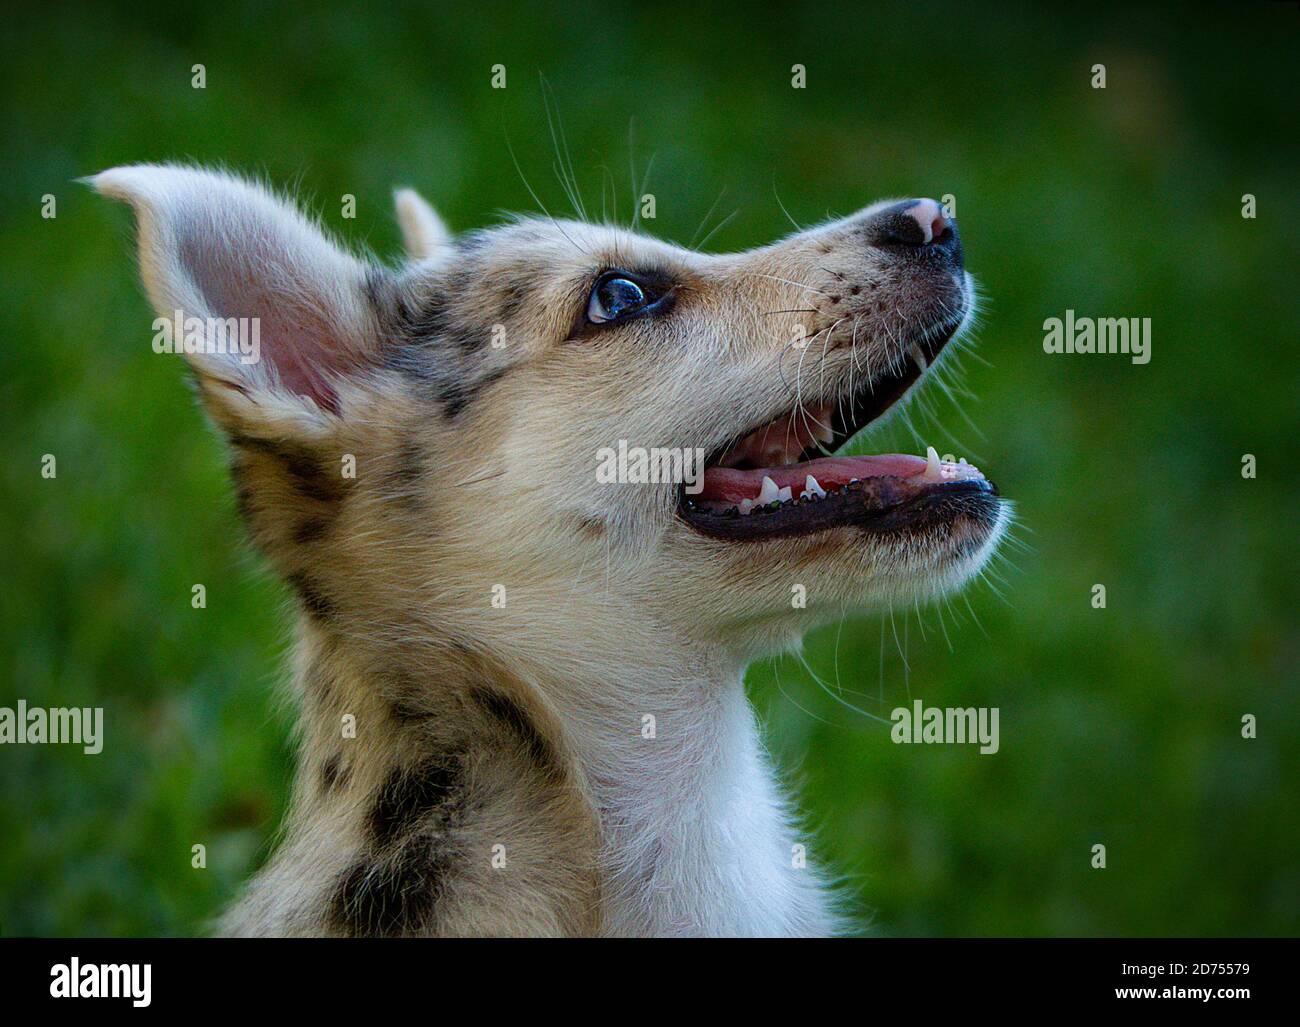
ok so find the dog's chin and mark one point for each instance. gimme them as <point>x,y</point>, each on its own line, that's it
<point>942,551</point>
<point>938,550</point>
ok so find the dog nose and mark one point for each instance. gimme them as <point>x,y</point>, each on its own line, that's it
<point>929,216</point>
<point>915,225</point>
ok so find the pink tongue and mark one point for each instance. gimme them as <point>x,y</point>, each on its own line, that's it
<point>726,484</point>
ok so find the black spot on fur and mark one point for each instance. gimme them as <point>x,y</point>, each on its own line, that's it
<point>407,710</point>
<point>251,442</point>
<point>310,530</point>
<point>442,350</point>
<point>515,719</point>
<point>454,397</point>
<point>304,474</point>
<point>243,495</point>
<point>377,289</point>
<point>513,296</point>
<point>592,527</point>
<point>314,601</point>
<point>458,395</point>
<point>472,243</point>
<point>408,796</point>
<point>334,775</point>
<point>246,504</point>
<point>472,338</point>
<point>428,318</point>
<point>405,477</point>
<point>434,321</point>
<point>393,896</point>
<point>302,466</point>
<point>310,478</point>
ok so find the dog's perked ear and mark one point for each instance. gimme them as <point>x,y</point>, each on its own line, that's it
<point>297,406</point>
<point>274,316</point>
<point>424,234</point>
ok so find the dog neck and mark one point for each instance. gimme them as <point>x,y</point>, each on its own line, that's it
<point>696,837</point>
<point>635,802</point>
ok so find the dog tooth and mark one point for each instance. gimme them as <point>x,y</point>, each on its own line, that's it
<point>812,488</point>
<point>767,493</point>
<point>919,357</point>
<point>933,466</point>
<point>746,505</point>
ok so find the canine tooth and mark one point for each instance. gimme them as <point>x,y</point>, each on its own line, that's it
<point>933,466</point>
<point>812,488</point>
<point>768,493</point>
<point>919,357</point>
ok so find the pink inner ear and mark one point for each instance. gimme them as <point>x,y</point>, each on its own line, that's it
<point>298,342</point>
<point>303,350</point>
<point>304,379</point>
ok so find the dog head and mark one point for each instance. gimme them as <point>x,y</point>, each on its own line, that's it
<point>553,416</point>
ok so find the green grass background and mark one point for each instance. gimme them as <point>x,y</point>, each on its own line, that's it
<point>1119,726</point>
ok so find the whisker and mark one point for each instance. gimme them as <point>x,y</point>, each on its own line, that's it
<point>797,227</point>
<point>538,200</point>
<point>716,228</point>
<point>787,281</point>
<point>564,171</point>
<point>705,220</point>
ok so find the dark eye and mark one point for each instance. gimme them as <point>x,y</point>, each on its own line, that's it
<point>613,297</point>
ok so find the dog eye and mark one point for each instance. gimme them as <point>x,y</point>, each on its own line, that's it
<point>613,297</point>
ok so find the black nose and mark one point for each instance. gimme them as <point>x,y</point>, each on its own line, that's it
<point>915,225</point>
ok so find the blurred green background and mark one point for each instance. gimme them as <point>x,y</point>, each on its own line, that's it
<point>1118,726</point>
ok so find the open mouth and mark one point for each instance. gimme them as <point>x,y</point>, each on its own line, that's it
<point>782,478</point>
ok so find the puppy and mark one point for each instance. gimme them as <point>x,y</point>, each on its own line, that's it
<point>542,492</point>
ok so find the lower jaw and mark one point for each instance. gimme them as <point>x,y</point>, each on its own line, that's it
<point>878,504</point>
<point>877,494</point>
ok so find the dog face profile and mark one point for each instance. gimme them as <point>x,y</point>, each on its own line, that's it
<point>414,441</point>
